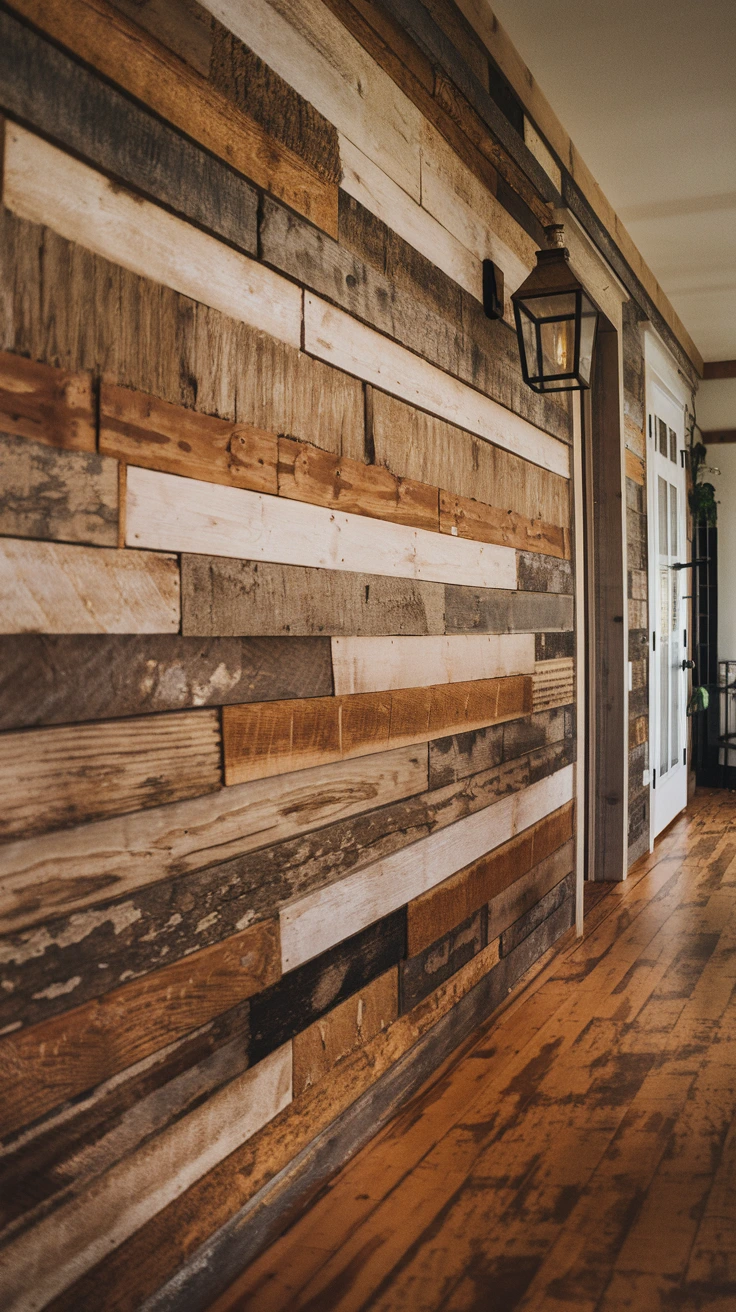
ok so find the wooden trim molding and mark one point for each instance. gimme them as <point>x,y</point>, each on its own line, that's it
<point>719,369</point>
<point>715,436</point>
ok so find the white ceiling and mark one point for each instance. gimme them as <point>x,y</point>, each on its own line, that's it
<point>646,89</point>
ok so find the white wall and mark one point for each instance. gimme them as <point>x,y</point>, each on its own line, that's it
<point>716,408</point>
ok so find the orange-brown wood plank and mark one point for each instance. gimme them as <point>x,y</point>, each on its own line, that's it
<point>466,518</point>
<point>308,474</point>
<point>50,405</point>
<point>268,738</point>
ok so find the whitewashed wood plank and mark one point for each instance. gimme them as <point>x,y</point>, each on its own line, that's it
<point>47,1258</point>
<point>327,916</point>
<point>166,512</point>
<point>335,337</point>
<point>308,46</point>
<point>45,185</point>
<point>376,192</point>
<point>52,587</point>
<point>75,869</point>
<point>459,201</point>
<point>379,664</point>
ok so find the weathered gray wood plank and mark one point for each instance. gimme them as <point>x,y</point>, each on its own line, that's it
<point>463,754</point>
<point>491,610</point>
<point>58,496</point>
<point>538,573</point>
<point>421,974</point>
<point>61,679</point>
<point>51,92</point>
<point>553,901</point>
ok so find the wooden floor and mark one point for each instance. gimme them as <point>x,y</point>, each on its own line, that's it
<point>580,1151</point>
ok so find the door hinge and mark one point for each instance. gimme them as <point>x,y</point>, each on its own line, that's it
<point>654,639</point>
<point>654,778</point>
<point>684,756</point>
<point>684,638</point>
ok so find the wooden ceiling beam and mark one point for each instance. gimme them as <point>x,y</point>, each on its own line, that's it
<point>719,369</point>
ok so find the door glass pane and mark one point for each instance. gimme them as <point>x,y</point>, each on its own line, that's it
<point>673,445</point>
<point>662,506</point>
<point>662,437</point>
<point>673,521</point>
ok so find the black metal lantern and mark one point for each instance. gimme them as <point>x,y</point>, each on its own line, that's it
<point>555,322</point>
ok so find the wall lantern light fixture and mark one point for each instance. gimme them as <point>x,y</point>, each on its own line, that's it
<point>555,322</point>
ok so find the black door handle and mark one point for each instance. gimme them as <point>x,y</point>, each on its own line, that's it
<point>688,665</point>
<point>688,564</point>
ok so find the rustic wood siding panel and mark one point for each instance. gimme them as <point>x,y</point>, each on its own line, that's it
<point>272,737</point>
<point>49,1063</point>
<point>82,867</point>
<point>48,587</point>
<point>45,185</point>
<point>342,1030</point>
<point>525,893</point>
<point>554,683</point>
<point>309,926</point>
<point>190,516</point>
<point>62,496</point>
<point>377,664</point>
<point>488,610</point>
<point>422,973</point>
<point>67,678</point>
<point>307,474</point>
<point>54,778</point>
<point>460,755</point>
<point>48,405</point>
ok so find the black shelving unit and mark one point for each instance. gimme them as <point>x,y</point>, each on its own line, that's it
<point>706,725</point>
<point>727,718</point>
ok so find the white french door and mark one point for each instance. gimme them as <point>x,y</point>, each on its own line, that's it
<point>668,605</point>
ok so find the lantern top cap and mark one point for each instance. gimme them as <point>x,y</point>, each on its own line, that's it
<point>556,235</point>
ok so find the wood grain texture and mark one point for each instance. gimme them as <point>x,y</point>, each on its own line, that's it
<point>45,185</point>
<point>414,444</point>
<point>49,405</point>
<point>377,664</point>
<point>451,901</point>
<point>544,573</point>
<point>57,777</point>
<point>343,1029</point>
<point>271,738</point>
<point>79,868</point>
<point>47,1064</point>
<point>490,610</point>
<point>48,587</point>
<point>635,468</point>
<point>422,973</point>
<point>460,755</point>
<point>335,337</point>
<point>530,920</point>
<point>525,893</point>
<point>183,26</point>
<point>75,309</point>
<point>310,925</point>
<point>80,954</point>
<point>142,430</point>
<point>62,679</point>
<point>73,1239</point>
<point>554,683</point>
<point>473,519</point>
<point>221,596</point>
<point>63,1154</point>
<point>261,94</point>
<point>307,474</point>
<point>118,49</point>
<point>298,999</point>
<point>66,102</point>
<point>191,516</point>
<point>61,496</point>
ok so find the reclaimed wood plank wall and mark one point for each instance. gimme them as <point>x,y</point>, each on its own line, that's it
<point>286,663</point>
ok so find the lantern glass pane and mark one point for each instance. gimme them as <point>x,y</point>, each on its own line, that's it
<point>529,333</point>
<point>555,306</point>
<point>558,347</point>
<point>588,320</point>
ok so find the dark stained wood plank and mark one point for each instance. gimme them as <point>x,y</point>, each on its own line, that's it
<point>531,919</point>
<point>538,573</point>
<point>58,496</point>
<point>492,610</point>
<point>57,777</point>
<point>54,94</point>
<point>422,973</point>
<point>265,96</point>
<point>444,906</point>
<point>142,430</point>
<point>460,755</point>
<point>527,892</point>
<point>50,405</point>
<point>143,927</point>
<point>223,596</point>
<point>304,994</point>
<point>344,1029</point>
<point>305,473</point>
<point>47,1064</point>
<point>67,1151</point>
<point>720,369</point>
<point>61,679</point>
<point>266,738</point>
<point>183,26</point>
<point>554,646</point>
<point>117,48</point>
